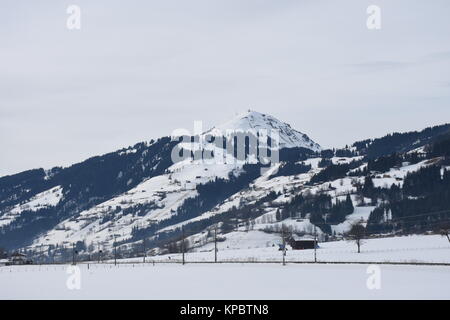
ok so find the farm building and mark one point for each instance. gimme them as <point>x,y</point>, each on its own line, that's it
<point>18,258</point>
<point>301,243</point>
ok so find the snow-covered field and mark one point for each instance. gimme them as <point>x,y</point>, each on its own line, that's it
<point>225,281</point>
<point>133,280</point>
<point>260,246</point>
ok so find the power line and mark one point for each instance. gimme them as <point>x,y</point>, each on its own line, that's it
<point>421,215</point>
<point>396,219</point>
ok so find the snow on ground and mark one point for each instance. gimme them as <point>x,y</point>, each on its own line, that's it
<point>397,175</point>
<point>259,188</point>
<point>165,192</point>
<point>49,198</point>
<point>260,246</point>
<point>344,160</point>
<point>252,121</point>
<point>225,281</point>
<point>360,214</point>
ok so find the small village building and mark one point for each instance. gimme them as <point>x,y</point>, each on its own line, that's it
<point>18,258</point>
<point>302,243</point>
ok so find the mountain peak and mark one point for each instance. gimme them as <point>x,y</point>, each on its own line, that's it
<point>254,120</point>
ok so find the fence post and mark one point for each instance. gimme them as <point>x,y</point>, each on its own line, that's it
<point>315,244</point>
<point>145,253</point>
<point>215,244</point>
<point>182,242</point>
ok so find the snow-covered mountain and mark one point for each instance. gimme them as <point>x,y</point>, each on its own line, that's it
<point>129,189</point>
<point>252,120</point>
<point>138,193</point>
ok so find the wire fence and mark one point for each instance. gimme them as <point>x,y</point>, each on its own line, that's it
<point>112,266</point>
<point>309,256</point>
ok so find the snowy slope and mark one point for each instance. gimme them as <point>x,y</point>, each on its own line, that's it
<point>164,194</point>
<point>252,120</point>
<point>288,187</point>
<point>168,191</point>
<point>46,199</point>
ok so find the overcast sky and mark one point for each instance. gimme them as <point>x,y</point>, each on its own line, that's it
<point>139,69</point>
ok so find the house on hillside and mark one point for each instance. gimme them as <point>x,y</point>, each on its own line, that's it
<point>18,258</point>
<point>301,243</point>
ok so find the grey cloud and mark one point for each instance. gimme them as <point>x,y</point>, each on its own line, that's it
<point>139,69</point>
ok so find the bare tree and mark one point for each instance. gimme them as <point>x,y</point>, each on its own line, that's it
<point>357,233</point>
<point>444,230</point>
<point>285,236</point>
<point>247,225</point>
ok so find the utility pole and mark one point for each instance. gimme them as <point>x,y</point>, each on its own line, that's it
<point>215,244</point>
<point>315,244</point>
<point>73,253</point>
<point>182,242</point>
<point>41,258</point>
<point>115,251</point>
<point>145,252</point>
<point>284,245</point>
